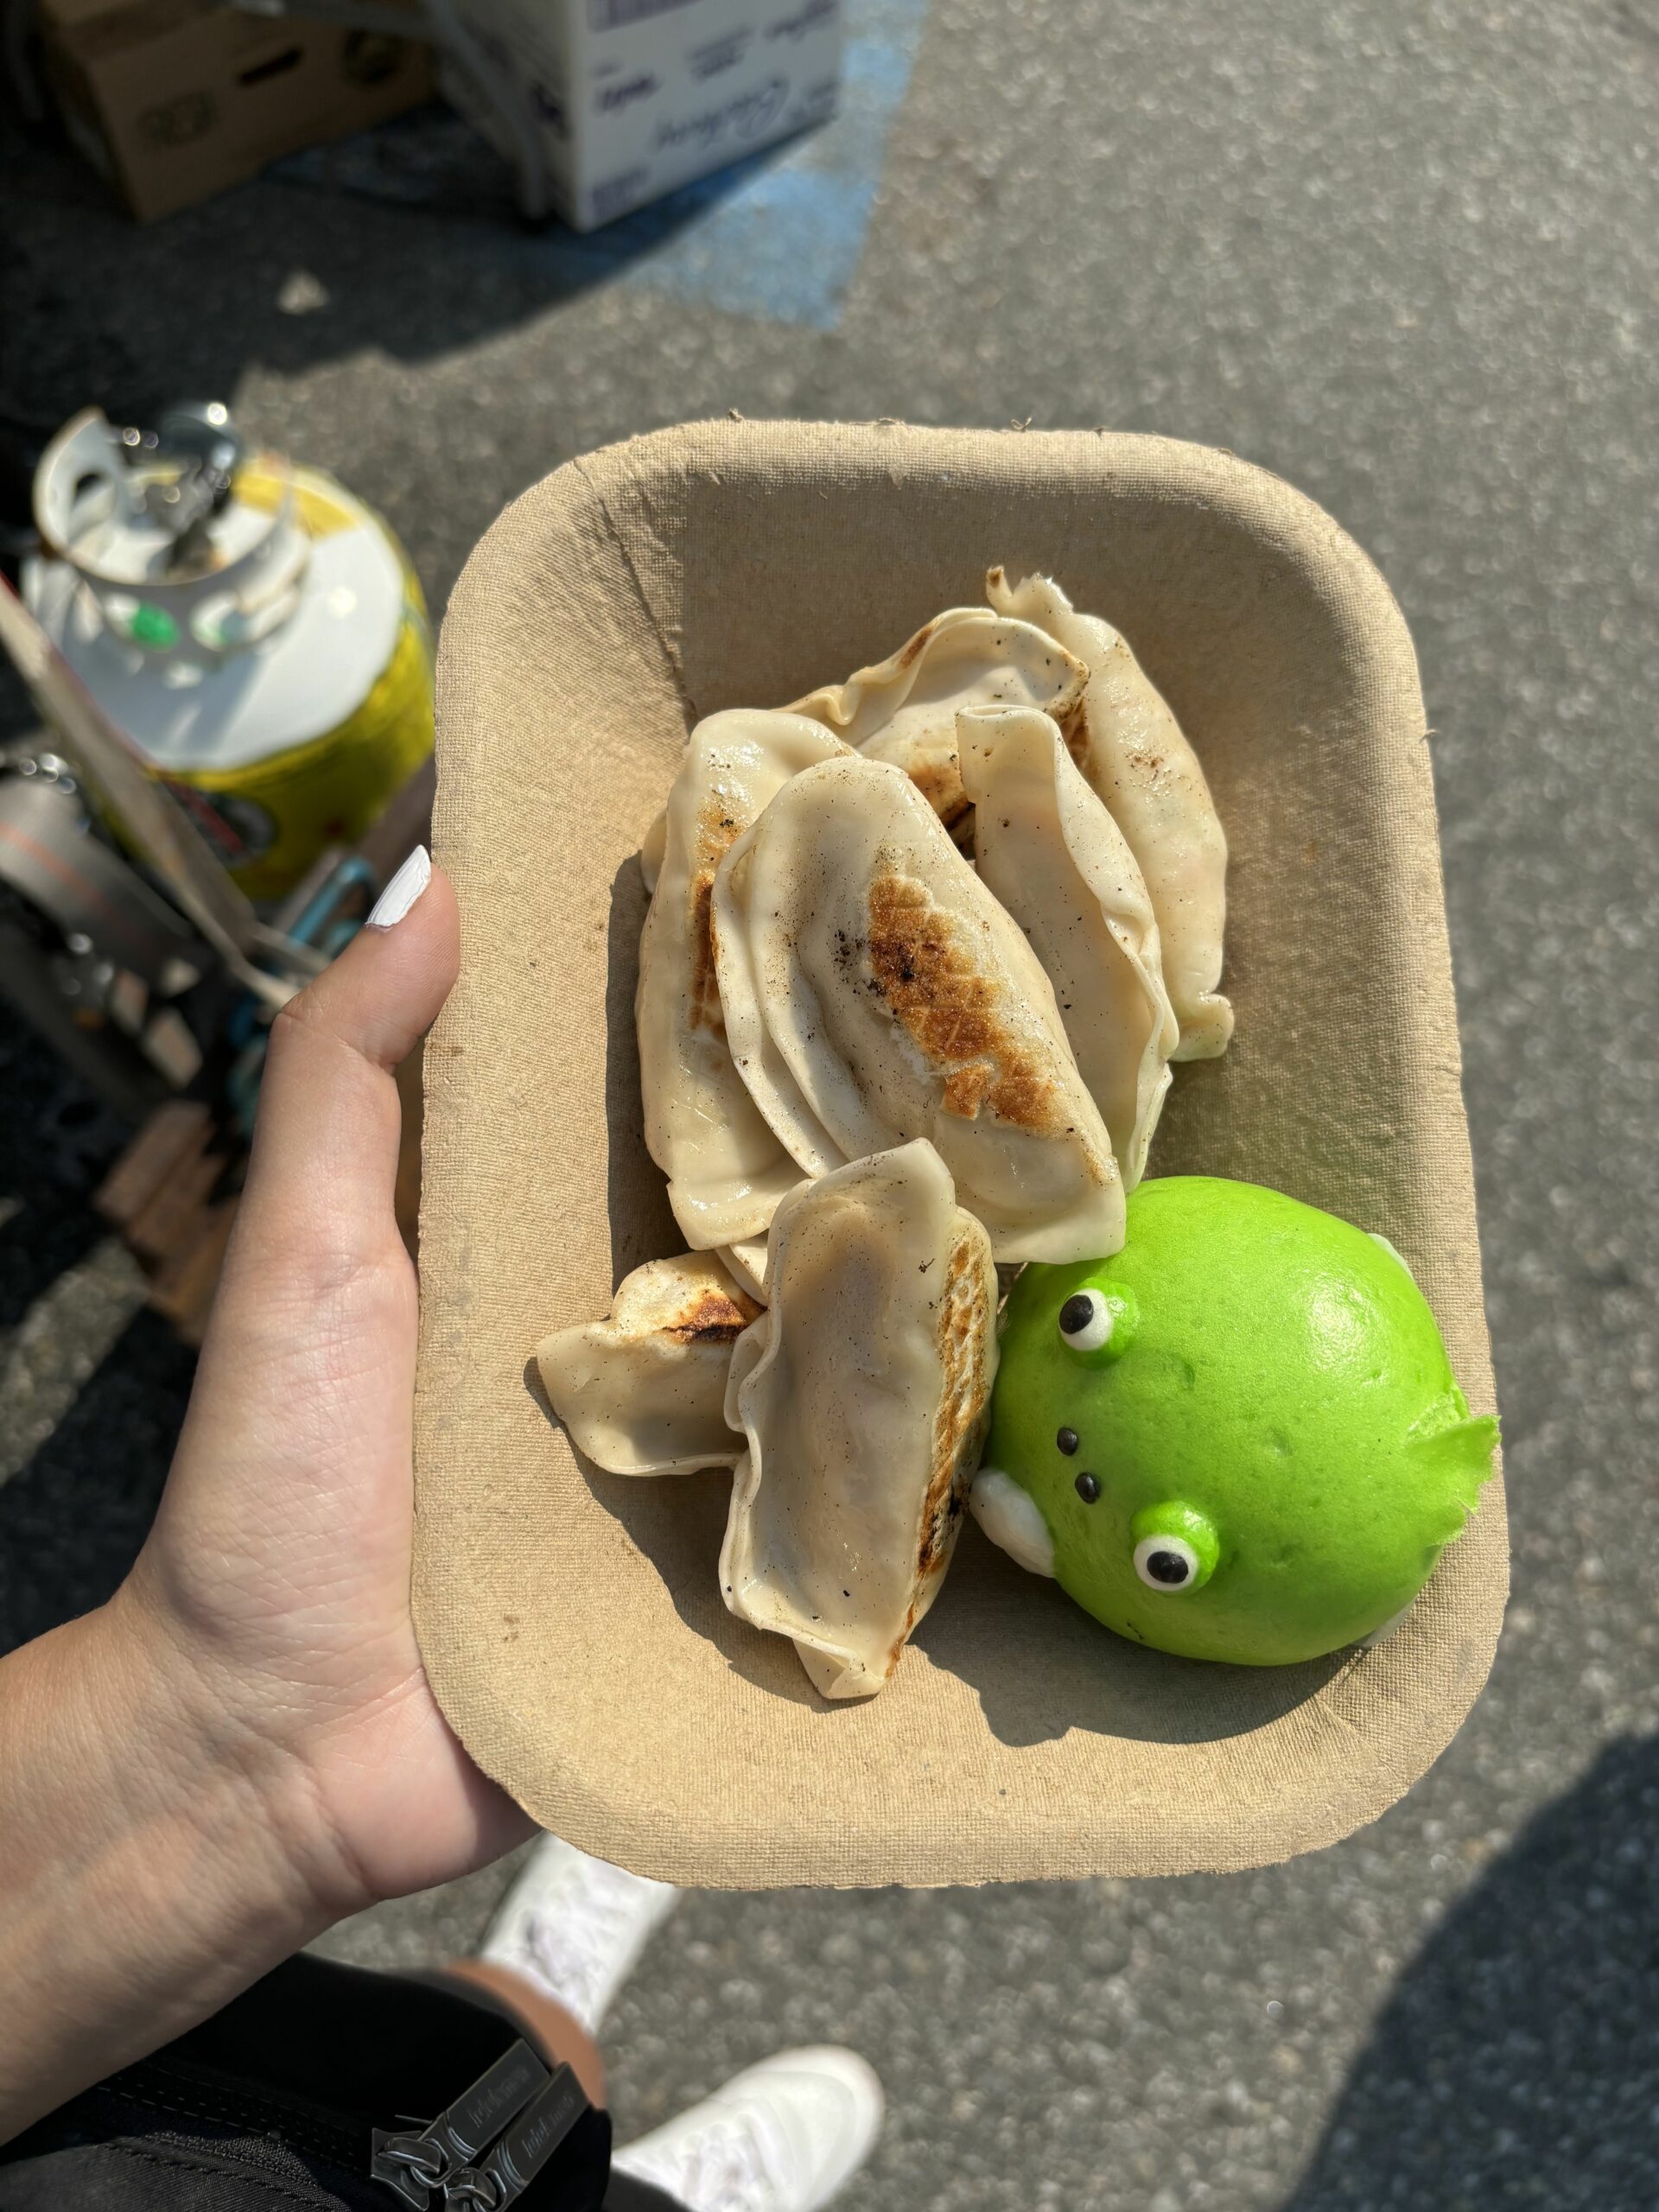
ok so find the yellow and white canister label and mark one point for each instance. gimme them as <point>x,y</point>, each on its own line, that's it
<point>269,816</point>
<point>296,740</point>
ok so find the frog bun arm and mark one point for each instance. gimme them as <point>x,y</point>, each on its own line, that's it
<point>1012,1519</point>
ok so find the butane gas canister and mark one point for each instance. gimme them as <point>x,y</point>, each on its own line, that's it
<point>254,629</point>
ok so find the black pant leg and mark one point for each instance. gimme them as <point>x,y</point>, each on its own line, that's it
<point>270,2106</point>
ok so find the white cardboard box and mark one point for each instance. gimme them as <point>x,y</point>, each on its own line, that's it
<point>629,99</point>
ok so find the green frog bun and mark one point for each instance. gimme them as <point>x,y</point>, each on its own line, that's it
<point>1239,1438</point>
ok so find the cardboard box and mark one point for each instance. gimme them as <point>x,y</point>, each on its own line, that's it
<point>571,1621</point>
<point>627,99</point>
<point>177,99</point>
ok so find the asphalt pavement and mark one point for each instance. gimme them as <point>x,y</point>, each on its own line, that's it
<point>1406,255</point>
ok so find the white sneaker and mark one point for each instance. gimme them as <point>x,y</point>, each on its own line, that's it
<point>575,1926</point>
<point>783,2137</point>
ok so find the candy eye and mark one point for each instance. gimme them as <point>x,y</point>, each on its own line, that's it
<point>1099,1323</point>
<point>1176,1547</point>
<point>1086,1321</point>
<point>1166,1563</point>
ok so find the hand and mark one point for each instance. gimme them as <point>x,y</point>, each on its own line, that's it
<point>242,1746</point>
<point>279,1563</point>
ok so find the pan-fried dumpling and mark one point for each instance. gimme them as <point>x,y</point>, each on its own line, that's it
<point>651,853</point>
<point>875,991</point>
<point>862,1392</point>
<point>726,1169</point>
<point>645,1393</point>
<point>745,1262</point>
<point>905,709</point>
<point>1131,751</point>
<point>1050,851</point>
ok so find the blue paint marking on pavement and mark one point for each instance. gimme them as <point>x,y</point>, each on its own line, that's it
<point>776,236</point>
<point>783,241</point>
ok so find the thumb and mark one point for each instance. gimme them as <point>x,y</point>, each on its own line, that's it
<point>307,1373</point>
<point>325,1154</point>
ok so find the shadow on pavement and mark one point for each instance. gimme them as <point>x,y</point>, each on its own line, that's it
<point>408,239</point>
<point>72,1518</point>
<point>1517,2062</point>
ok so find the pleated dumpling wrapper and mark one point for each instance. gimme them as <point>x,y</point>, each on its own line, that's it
<point>874,991</point>
<point>1133,754</point>
<point>726,1169</point>
<point>1045,845</point>
<point>651,852</point>
<point>903,709</point>
<point>862,1393</point>
<point>746,1261</point>
<point>645,1392</point>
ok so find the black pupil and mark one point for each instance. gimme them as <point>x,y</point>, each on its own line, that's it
<point>1076,1314</point>
<point>1067,1441</point>
<point>1167,1566</point>
<point>1088,1488</point>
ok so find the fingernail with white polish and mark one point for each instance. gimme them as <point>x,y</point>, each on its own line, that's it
<point>403,891</point>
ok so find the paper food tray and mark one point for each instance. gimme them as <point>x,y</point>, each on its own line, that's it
<point>570,1620</point>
